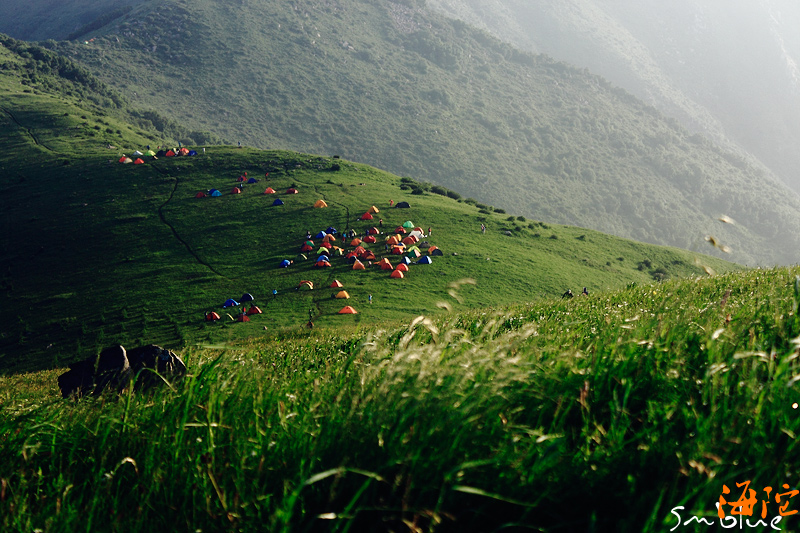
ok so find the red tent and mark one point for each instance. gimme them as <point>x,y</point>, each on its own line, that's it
<point>366,216</point>
<point>370,239</point>
<point>201,194</point>
<point>373,231</point>
<point>236,190</point>
<point>170,153</point>
<point>243,318</point>
<point>400,229</point>
<point>291,191</point>
<point>254,311</point>
<point>269,190</point>
<point>386,265</point>
<point>397,274</point>
<point>402,267</point>
<point>183,151</point>
<point>347,310</point>
<point>336,284</point>
<point>212,316</point>
<point>138,161</point>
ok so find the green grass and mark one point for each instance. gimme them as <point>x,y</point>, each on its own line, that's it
<point>603,412</point>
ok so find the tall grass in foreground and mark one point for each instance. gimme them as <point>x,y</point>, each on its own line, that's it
<point>599,413</point>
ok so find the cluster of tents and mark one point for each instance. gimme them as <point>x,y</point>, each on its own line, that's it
<point>172,152</point>
<point>340,295</point>
<point>402,243</point>
<point>243,314</point>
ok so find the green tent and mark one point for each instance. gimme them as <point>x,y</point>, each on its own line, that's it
<point>408,224</point>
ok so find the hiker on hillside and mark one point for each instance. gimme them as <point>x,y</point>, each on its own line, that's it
<point>585,292</point>
<point>391,203</point>
<point>567,294</point>
<point>370,299</point>
<point>483,228</point>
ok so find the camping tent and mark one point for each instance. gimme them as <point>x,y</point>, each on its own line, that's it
<point>402,205</point>
<point>399,229</point>
<point>236,190</point>
<point>342,295</point>
<point>425,260</point>
<point>170,153</point>
<point>373,231</point>
<point>326,244</point>
<point>285,263</point>
<point>192,152</point>
<point>291,190</point>
<point>243,318</point>
<point>125,160</point>
<point>437,251</point>
<point>366,216</point>
<point>200,194</point>
<point>214,192</point>
<point>374,210</point>
<point>277,201</point>
<point>413,254</point>
<point>212,316</point>
<point>322,264</point>
<point>306,248</point>
<point>370,239</point>
<point>406,260</point>
<point>230,302</point>
<point>358,265</point>
<point>320,235</point>
<point>397,250</point>
<point>137,153</point>
<point>150,153</point>
<point>247,297</point>
<point>254,311</point>
<point>269,190</point>
<point>305,283</point>
<point>402,267</point>
<point>391,241</point>
<point>328,238</point>
<point>408,225</point>
<point>161,153</point>
<point>355,242</point>
<point>301,257</point>
<point>252,180</point>
<point>396,274</point>
<point>183,151</point>
<point>385,264</point>
<point>320,203</point>
<point>368,256</point>
<point>331,230</point>
<point>337,284</point>
<point>347,310</point>
<point>138,161</point>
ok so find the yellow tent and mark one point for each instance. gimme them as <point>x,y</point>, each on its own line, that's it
<point>342,294</point>
<point>373,210</point>
<point>320,203</point>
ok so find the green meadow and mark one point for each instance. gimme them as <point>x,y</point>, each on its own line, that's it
<point>468,396</point>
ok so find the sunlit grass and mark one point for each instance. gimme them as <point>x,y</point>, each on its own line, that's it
<point>644,399</point>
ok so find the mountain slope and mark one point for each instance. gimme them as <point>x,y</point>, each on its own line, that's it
<point>727,71</point>
<point>398,87</point>
<point>97,252</point>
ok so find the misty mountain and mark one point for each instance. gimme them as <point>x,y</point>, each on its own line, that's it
<point>397,86</point>
<point>725,69</point>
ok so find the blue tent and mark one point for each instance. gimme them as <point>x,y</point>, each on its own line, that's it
<point>192,152</point>
<point>425,260</point>
<point>406,260</point>
<point>331,230</point>
<point>252,180</point>
<point>277,201</point>
<point>247,297</point>
<point>285,263</point>
<point>323,258</point>
<point>231,303</point>
<point>320,235</point>
<point>214,192</point>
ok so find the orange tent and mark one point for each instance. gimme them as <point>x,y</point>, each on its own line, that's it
<point>373,210</point>
<point>336,284</point>
<point>358,265</point>
<point>183,151</point>
<point>397,274</point>
<point>399,229</point>
<point>402,267</point>
<point>366,216</point>
<point>254,311</point>
<point>392,240</point>
<point>370,239</point>
<point>385,264</point>
<point>409,240</point>
<point>373,231</point>
<point>355,242</point>
<point>397,250</point>
<point>138,161</point>
<point>269,190</point>
<point>368,256</point>
<point>347,310</point>
<point>243,318</point>
<point>236,190</point>
<point>212,316</point>
<point>328,237</point>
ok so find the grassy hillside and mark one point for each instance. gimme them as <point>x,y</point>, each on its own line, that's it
<point>95,252</point>
<point>396,86</point>
<point>616,412</point>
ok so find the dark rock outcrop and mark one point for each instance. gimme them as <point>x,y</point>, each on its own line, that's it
<point>115,369</point>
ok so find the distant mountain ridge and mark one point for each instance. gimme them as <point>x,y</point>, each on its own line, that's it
<point>727,70</point>
<point>396,86</point>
